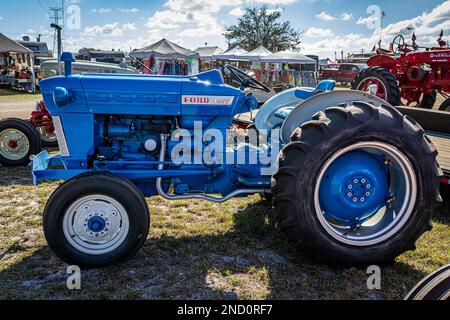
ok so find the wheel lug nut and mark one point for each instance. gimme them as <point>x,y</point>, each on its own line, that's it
<point>363,180</point>
<point>350,187</point>
<point>355,199</point>
<point>355,181</point>
<point>349,194</point>
<point>368,186</point>
<point>367,194</point>
<point>362,199</point>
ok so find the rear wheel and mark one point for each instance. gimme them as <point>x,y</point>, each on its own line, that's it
<point>445,106</point>
<point>96,219</point>
<point>18,141</point>
<point>357,185</point>
<point>379,82</point>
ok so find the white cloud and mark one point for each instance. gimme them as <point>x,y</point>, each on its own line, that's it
<point>325,16</point>
<point>346,16</point>
<point>111,29</point>
<point>128,10</point>
<point>427,27</point>
<point>102,10</point>
<point>318,32</point>
<point>212,6</point>
<point>167,19</point>
<point>237,12</point>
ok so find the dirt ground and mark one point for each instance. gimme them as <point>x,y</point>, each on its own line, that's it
<point>15,104</point>
<point>195,250</point>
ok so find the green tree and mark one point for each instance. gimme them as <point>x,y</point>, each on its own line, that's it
<point>261,26</point>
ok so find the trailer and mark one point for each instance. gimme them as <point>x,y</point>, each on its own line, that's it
<point>437,126</point>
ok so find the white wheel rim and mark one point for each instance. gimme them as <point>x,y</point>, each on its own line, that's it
<point>14,144</point>
<point>77,219</point>
<point>45,135</point>
<point>387,221</point>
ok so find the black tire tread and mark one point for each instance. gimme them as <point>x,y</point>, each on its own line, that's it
<point>317,135</point>
<point>394,95</point>
<point>93,179</point>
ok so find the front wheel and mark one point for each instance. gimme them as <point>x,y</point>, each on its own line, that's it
<point>96,219</point>
<point>357,185</point>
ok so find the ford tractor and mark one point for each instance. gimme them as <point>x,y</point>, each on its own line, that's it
<point>408,75</point>
<point>352,181</point>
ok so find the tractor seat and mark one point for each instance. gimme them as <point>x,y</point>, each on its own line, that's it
<point>307,92</point>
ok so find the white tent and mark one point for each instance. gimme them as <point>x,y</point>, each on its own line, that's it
<point>258,53</point>
<point>237,53</point>
<point>288,57</point>
<point>206,53</point>
<point>8,45</point>
<point>164,49</point>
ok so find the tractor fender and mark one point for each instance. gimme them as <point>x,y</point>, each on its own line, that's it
<point>308,108</point>
<point>382,60</point>
<point>264,119</point>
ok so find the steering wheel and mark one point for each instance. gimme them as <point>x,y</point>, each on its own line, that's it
<point>399,44</point>
<point>246,81</point>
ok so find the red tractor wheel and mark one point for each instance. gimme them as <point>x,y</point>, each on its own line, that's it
<point>380,82</point>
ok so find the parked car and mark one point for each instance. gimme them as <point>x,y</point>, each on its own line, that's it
<point>344,74</point>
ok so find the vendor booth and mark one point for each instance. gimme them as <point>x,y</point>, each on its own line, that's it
<point>287,68</point>
<point>235,57</point>
<point>16,65</point>
<point>206,57</point>
<point>167,58</point>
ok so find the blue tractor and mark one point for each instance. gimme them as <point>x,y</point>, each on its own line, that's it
<point>352,181</point>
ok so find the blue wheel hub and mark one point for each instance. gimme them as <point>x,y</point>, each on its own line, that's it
<point>96,224</point>
<point>354,187</point>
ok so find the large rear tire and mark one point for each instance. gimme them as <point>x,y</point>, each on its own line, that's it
<point>18,141</point>
<point>337,154</point>
<point>387,84</point>
<point>96,219</point>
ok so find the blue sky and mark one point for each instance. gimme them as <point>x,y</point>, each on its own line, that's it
<point>329,25</point>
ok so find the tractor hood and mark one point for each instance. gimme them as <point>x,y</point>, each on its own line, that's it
<point>140,94</point>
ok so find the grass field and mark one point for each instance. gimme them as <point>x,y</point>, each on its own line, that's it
<point>195,250</point>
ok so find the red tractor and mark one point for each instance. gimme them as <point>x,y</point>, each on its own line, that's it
<point>406,76</point>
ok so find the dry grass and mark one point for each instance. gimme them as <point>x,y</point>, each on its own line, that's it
<point>195,250</point>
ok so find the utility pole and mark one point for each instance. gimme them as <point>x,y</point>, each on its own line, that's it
<point>57,17</point>
<point>58,34</point>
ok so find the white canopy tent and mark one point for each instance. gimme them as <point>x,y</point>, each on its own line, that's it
<point>288,57</point>
<point>164,49</point>
<point>258,53</point>
<point>207,53</point>
<point>237,53</point>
